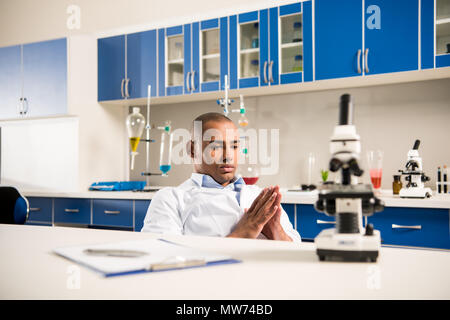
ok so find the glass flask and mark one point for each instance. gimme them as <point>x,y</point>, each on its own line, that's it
<point>165,154</point>
<point>248,171</point>
<point>135,126</point>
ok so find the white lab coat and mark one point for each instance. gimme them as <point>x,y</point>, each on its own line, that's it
<point>191,209</point>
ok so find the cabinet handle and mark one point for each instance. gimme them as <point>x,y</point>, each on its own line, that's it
<point>127,94</point>
<point>397,226</point>
<point>366,60</point>
<point>358,59</point>
<point>265,72</point>
<point>325,222</point>
<point>121,88</point>
<point>270,71</point>
<point>112,211</point>
<point>192,81</point>
<point>187,81</point>
<point>35,209</point>
<point>72,210</point>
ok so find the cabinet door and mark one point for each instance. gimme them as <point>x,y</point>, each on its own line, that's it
<point>442,27</point>
<point>72,210</point>
<point>114,213</point>
<point>291,43</point>
<point>142,64</point>
<point>111,68</point>
<point>40,209</point>
<point>391,36</point>
<point>310,222</point>
<point>45,77</point>
<point>210,53</point>
<point>245,62</point>
<point>422,227</point>
<point>10,81</point>
<point>338,38</point>
<point>140,210</point>
<point>174,60</point>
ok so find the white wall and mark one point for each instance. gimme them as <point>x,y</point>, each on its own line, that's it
<point>387,117</point>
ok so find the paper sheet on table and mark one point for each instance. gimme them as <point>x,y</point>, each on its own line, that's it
<point>158,251</point>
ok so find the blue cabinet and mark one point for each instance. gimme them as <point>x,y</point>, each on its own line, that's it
<point>420,227</point>
<point>127,64</point>
<point>140,210</point>
<point>111,68</point>
<point>40,210</point>
<point>289,208</point>
<point>435,33</point>
<point>33,79</point>
<point>352,40</point>
<point>310,222</point>
<point>45,77</point>
<point>72,210</point>
<point>271,46</point>
<point>114,213</point>
<point>10,81</point>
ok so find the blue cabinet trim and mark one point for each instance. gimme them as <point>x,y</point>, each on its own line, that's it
<point>290,9</point>
<point>291,77</point>
<point>196,55</point>
<point>187,55</point>
<point>233,77</point>
<point>427,33</point>
<point>209,24</point>
<point>173,31</point>
<point>173,91</point>
<point>443,60</point>
<point>307,42</point>
<point>161,63</point>
<point>248,17</point>
<point>223,51</point>
<point>210,86</point>
<point>248,82</point>
<point>274,45</point>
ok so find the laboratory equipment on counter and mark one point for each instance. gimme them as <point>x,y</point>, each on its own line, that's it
<point>225,102</point>
<point>414,176</point>
<point>346,199</point>
<point>165,154</point>
<point>243,121</point>
<point>135,126</point>
<point>248,171</point>
<point>396,184</point>
<point>375,161</point>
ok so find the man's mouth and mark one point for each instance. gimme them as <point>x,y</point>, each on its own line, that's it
<point>227,168</point>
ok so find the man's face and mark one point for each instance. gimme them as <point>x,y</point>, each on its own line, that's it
<point>220,151</point>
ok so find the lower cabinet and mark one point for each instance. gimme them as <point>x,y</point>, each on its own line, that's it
<point>418,227</point>
<point>140,210</point>
<point>40,211</point>
<point>72,210</point>
<point>113,213</point>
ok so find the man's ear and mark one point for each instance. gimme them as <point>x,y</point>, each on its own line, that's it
<point>190,148</point>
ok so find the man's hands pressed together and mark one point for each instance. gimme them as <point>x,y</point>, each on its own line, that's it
<point>263,216</point>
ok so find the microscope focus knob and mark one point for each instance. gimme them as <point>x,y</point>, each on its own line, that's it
<point>369,229</point>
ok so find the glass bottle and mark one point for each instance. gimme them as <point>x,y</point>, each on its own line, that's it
<point>396,184</point>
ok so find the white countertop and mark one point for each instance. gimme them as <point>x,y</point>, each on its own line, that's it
<point>269,270</point>
<point>299,197</point>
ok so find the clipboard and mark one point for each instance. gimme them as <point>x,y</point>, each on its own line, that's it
<point>149,255</point>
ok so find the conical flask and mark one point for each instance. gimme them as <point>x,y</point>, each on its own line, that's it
<point>135,126</point>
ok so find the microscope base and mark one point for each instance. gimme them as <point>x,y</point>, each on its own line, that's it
<point>347,246</point>
<point>415,193</point>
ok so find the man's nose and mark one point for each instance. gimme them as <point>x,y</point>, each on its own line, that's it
<point>228,155</point>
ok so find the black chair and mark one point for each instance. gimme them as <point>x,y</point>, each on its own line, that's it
<point>14,207</point>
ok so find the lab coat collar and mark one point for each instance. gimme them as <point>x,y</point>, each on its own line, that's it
<point>198,180</point>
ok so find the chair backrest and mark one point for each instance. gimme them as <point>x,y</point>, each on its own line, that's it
<point>14,207</point>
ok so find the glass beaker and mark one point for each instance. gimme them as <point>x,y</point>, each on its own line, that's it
<point>375,163</point>
<point>248,171</point>
<point>165,154</point>
<point>135,126</point>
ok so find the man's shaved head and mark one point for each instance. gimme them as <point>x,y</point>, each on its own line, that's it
<point>209,116</point>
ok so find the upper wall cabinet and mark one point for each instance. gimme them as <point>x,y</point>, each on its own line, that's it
<point>193,57</point>
<point>33,79</point>
<point>127,64</point>
<point>435,33</point>
<point>271,46</point>
<point>363,37</point>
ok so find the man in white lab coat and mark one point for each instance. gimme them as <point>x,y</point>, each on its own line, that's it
<point>214,201</point>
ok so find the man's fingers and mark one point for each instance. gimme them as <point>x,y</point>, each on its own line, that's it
<point>264,199</point>
<point>266,209</point>
<point>258,198</point>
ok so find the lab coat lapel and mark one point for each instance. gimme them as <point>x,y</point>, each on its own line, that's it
<point>248,194</point>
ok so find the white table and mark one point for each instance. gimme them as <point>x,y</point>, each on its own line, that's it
<point>270,270</point>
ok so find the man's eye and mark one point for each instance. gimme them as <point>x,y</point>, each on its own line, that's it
<point>235,147</point>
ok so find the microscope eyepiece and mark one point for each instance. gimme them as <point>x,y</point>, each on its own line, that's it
<point>346,110</point>
<point>416,145</point>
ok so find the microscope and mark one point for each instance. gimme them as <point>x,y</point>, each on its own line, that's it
<point>347,200</point>
<point>415,177</point>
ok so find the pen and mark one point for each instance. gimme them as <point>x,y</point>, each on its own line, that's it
<point>115,253</point>
<point>439,179</point>
<point>445,178</point>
